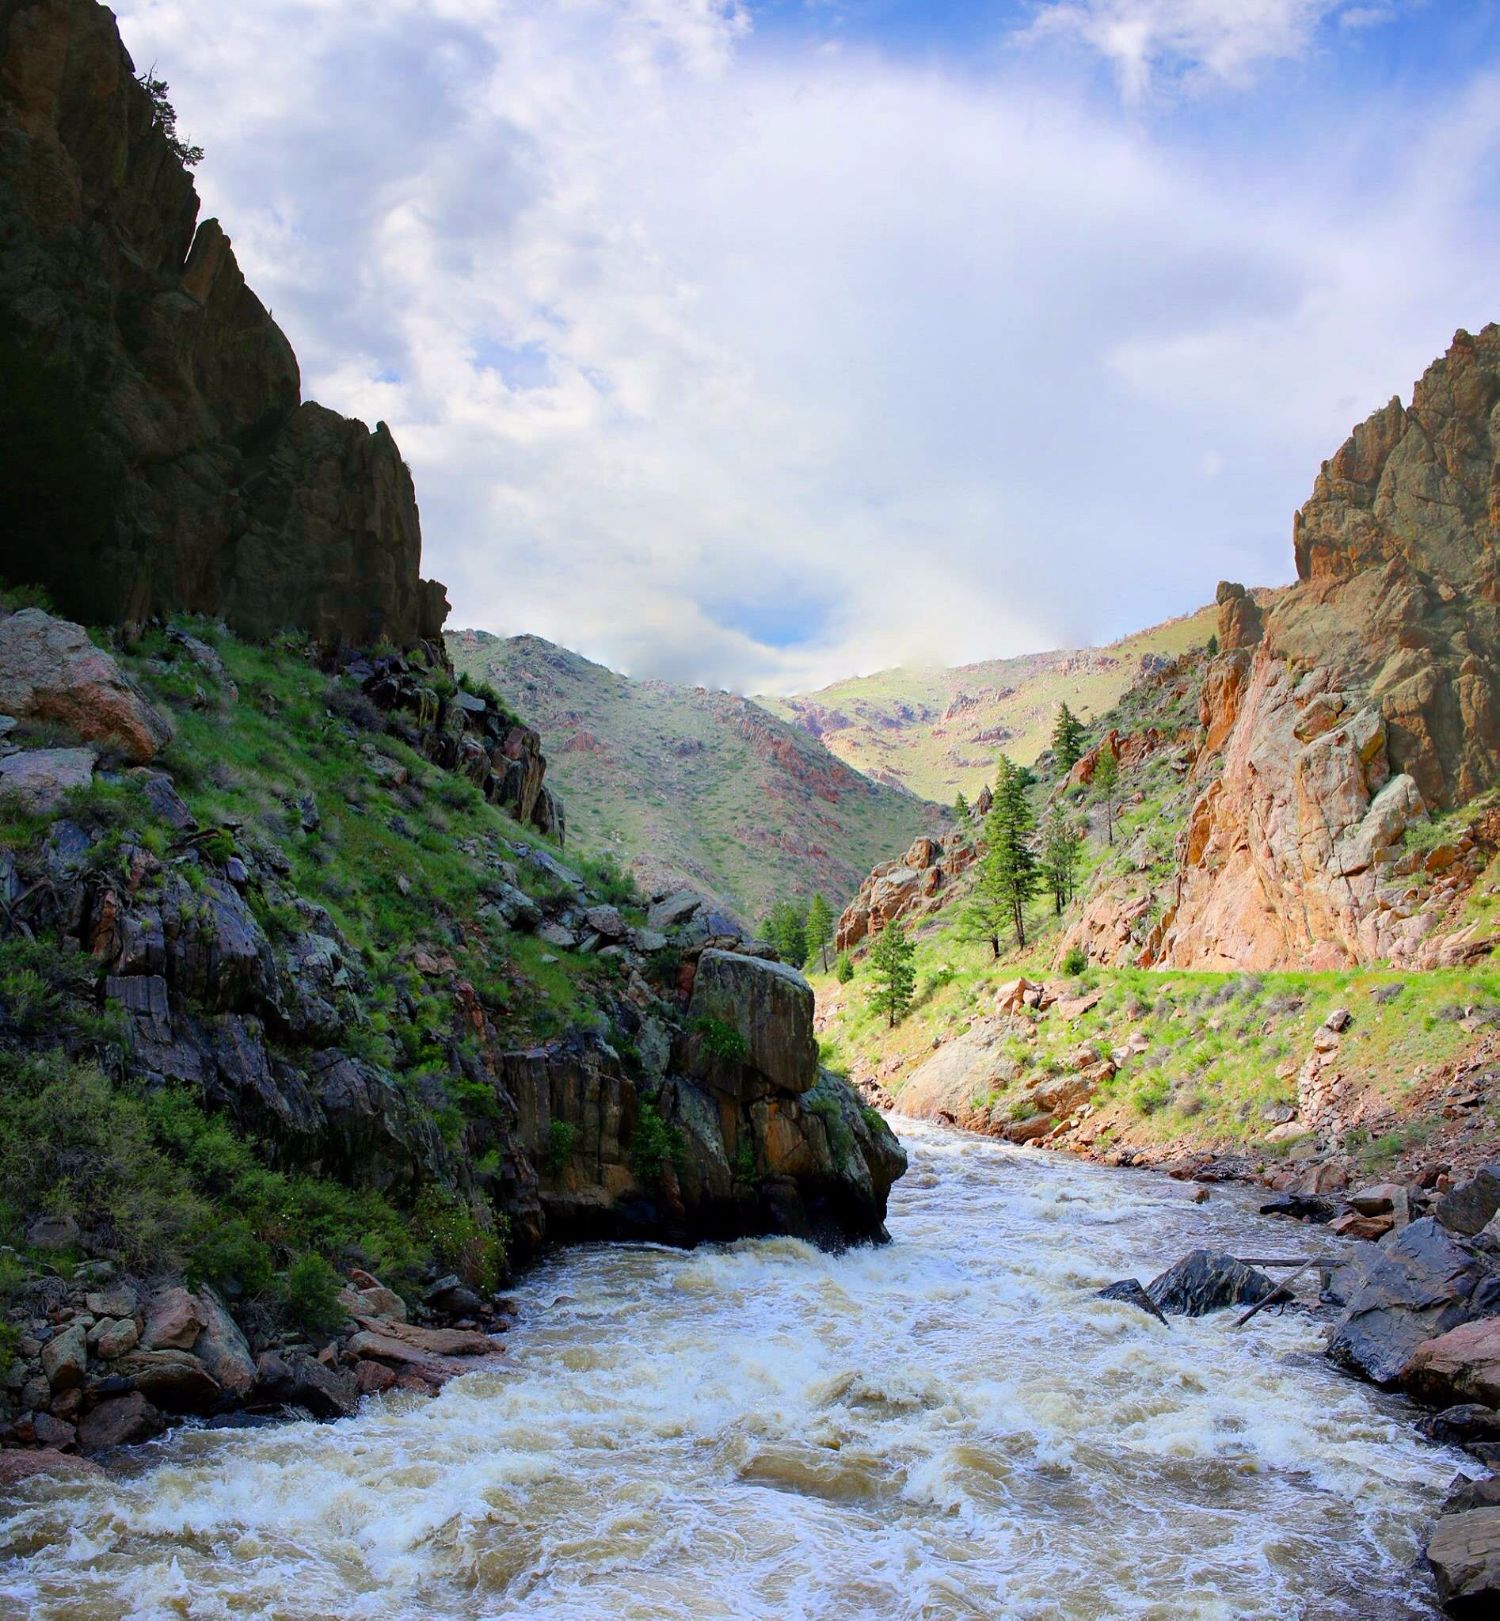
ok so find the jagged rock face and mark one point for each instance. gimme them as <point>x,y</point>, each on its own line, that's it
<point>1366,697</point>
<point>917,884</point>
<point>157,402</point>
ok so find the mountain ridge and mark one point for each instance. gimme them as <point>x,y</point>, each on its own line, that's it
<point>694,786</point>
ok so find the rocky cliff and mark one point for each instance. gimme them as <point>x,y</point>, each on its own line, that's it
<point>1356,706</point>
<point>150,407</point>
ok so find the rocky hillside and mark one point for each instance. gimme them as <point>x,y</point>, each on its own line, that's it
<point>150,407</point>
<point>289,995</point>
<point>937,731</point>
<point>1337,725</point>
<point>693,786</point>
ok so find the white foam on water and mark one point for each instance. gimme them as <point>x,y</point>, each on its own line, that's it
<point>949,1426</point>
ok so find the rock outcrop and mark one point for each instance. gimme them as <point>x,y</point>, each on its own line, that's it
<point>151,407</point>
<point>1342,714</point>
<point>916,885</point>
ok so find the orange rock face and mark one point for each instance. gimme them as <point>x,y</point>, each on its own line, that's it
<point>1367,696</point>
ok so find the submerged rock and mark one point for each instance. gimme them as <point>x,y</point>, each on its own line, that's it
<point>1131,1292</point>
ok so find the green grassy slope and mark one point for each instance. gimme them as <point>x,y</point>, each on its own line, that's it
<point>914,727</point>
<point>694,786</point>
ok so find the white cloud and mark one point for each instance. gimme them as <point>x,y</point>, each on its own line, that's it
<point>1219,40</point>
<point>728,365</point>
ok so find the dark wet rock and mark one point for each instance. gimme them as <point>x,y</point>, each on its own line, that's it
<point>1419,1283</point>
<point>452,1297</point>
<point>299,1380</point>
<point>1464,1552</point>
<point>1465,1493</point>
<point>1131,1292</point>
<point>119,1421</point>
<point>166,803</point>
<point>1458,1426</point>
<point>221,1346</point>
<point>173,1380</point>
<point>1301,1207</point>
<point>1468,1208</point>
<point>1203,1282</point>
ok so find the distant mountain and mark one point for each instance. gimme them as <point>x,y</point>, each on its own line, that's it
<point>935,731</point>
<point>693,786</point>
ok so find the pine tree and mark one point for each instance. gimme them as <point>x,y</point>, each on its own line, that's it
<point>1062,850</point>
<point>1067,740</point>
<point>1008,874</point>
<point>843,970</point>
<point>785,931</point>
<point>1106,781</point>
<point>818,930</point>
<point>1213,645</point>
<point>893,973</point>
<point>961,812</point>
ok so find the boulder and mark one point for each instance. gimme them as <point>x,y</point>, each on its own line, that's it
<point>770,1006</point>
<point>1414,1286</point>
<point>17,1465</point>
<point>1462,1425</point>
<point>606,922</point>
<point>40,778</point>
<point>222,1348</point>
<point>65,1357</point>
<point>672,911</point>
<point>174,1320</point>
<point>174,1380</point>
<point>1131,1292</point>
<point>1462,1365</point>
<point>442,1342</point>
<point>1202,1282</point>
<point>1464,1552</point>
<point>113,1336</point>
<point>302,1381</point>
<point>51,671</point>
<point>119,1421</point>
<point>435,1369</point>
<point>1472,1205</point>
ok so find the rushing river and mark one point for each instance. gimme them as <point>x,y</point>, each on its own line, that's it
<point>950,1426</point>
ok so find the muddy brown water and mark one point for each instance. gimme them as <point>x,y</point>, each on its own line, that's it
<point>948,1426</point>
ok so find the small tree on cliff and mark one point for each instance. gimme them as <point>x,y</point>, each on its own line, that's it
<point>893,973</point>
<point>1067,740</point>
<point>1062,850</point>
<point>961,812</point>
<point>818,929</point>
<point>1106,785</point>
<point>164,116</point>
<point>1009,870</point>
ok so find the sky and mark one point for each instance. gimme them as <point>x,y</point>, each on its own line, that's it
<point>759,344</point>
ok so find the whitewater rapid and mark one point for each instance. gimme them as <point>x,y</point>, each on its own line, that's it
<point>947,1426</point>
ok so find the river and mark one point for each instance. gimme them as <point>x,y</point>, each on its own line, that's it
<point>948,1426</point>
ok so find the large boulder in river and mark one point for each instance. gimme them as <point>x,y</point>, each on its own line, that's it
<point>1464,1552</point>
<point>1462,1365</point>
<point>50,670</point>
<point>753,1024</point>
<point>1202,1282</point>
<point>1419,1283</point>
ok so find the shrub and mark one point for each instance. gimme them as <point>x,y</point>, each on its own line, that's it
<point>843,970</point>
<point>654,1145</point>
<point>721,1039</point>
<point>461,1239</point>
<point>561,1136</point>
<point>1075,960</point>
<point>310,1294</point>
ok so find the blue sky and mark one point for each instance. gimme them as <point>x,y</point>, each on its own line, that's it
<point>757,344</point>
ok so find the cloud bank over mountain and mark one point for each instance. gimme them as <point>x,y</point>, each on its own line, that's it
<point>750,349</point>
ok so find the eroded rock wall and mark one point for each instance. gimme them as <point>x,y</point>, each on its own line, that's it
<point>1365,698</point>
<point>162,455</point>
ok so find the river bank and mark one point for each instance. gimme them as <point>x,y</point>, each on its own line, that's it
<point>761,1429</point>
